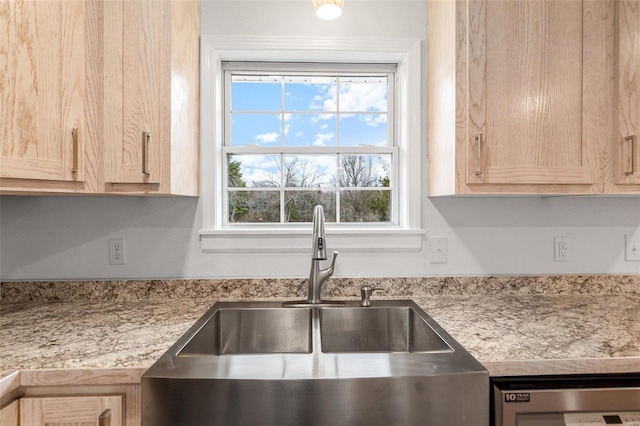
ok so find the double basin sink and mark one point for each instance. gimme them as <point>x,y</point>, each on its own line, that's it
<point>260,363</point>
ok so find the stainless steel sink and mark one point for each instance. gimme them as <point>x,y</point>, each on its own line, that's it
<point>252,331</point>
<point>259,363</point>
<point>378,329</point>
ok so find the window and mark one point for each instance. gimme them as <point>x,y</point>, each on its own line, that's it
<point>267,160</point>
<point>297,135</point>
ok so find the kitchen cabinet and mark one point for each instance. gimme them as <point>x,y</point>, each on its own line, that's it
<point>42,95</point>
<point>151,96</point>
<point>519,96</point>
<point>627,72</point>
<point>99,96</point>
<point>9,415</point>
<point>45,401</point>
<point>85,410</point>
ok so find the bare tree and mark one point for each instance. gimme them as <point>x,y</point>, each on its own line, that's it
<point>359,203</point>
<point>363,205</point>
<point>299,173</point>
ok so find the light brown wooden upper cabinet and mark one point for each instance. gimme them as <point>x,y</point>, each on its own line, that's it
<point>99,96</point>
<point>627,141</point>
<point>519,96</point>
<point>151,96</point>
<point>42,95</point>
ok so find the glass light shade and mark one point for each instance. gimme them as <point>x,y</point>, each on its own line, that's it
<point>328,9</point>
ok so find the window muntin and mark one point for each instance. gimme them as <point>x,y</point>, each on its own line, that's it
<point>295,138</point>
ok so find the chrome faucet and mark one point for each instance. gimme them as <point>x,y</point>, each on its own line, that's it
<point>318,276</point>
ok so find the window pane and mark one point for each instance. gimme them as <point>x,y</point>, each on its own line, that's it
<point>310,130</point>
<point>362,94</point>
<point>304,119</point>
<point>369,171</point>
<point>256,129</point>
<point>253,171</point>
<point>365,206</point>
<point>363,129</point>
<point>298,205</point>
<point>310,93</point>
<point>309,171</point>
<point>254,207</point>
<point>256,93</point>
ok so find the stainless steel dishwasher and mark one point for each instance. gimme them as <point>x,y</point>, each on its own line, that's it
<point>566,401</point>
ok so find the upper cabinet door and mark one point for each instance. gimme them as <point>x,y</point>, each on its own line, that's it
<point>627,142</point>
<point>520,96</point>
<point>137,93</point>
<point>528,105</point>
<point>42,91</point>
<point>151,96</point>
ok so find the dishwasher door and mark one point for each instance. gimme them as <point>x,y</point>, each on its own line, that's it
<point>555,403</point>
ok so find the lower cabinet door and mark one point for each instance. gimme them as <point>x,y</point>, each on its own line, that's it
<point>9,415</point>
<point>76,411</point>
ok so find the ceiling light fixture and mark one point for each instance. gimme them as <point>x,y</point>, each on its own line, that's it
<point>328,9</point>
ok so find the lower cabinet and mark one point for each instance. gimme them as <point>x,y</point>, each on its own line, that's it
<point>9,415</point>
<point>105,410</point>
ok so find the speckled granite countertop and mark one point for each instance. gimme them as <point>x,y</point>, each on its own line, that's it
<point>514,326</point>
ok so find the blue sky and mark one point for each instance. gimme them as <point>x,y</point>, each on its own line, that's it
<point>307,118</point>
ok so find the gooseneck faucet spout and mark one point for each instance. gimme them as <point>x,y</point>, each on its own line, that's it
<point>317,276</point>
<point>318,250</point>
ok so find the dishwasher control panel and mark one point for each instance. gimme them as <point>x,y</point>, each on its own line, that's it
<point>631,418</point>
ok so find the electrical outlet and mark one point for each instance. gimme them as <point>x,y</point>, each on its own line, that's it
<point>116,251</point>
<point>632,248</point>
<point>562,249</point>
<point>438,249</point>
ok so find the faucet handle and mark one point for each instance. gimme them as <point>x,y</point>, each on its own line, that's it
<point>366,292</point>
<point>333,261</point>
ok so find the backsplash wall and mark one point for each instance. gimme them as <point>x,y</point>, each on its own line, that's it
<point>49,238</point>
<point>336,288</point>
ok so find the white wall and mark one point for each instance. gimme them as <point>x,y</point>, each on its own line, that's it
<point>67,237</point>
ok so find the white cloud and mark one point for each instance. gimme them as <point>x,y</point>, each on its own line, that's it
<point>354,97</point>
<point>322,138</point>
<point>258,168</point>
<point>267,137</point>
<point>373,120</point>
<point>363,97</point>
<point>317,118</point>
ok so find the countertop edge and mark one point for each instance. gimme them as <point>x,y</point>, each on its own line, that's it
<point>10,382</point>
<point>554,367</point>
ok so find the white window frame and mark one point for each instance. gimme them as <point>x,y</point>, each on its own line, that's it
<point>332,70</point>
<point>407,235</point>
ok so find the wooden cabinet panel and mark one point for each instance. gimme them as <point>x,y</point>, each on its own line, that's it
<point>148,76</point>
<point>525,78</point>
<point>70,411</point>
<point>520,95</point>
<point>135,68</point>
<point>9,415</point>
<point>627,142</point>
<point>42,90</point>
<point>124,73</point>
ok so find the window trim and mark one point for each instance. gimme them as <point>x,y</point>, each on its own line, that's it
<point>406,53</point>
<point>339,71</point>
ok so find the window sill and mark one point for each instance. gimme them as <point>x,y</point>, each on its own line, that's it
<point>299,240</point>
